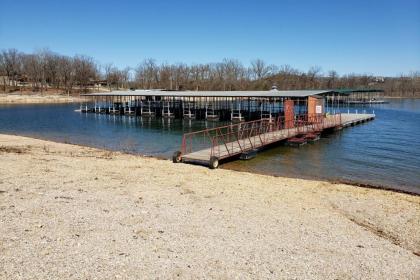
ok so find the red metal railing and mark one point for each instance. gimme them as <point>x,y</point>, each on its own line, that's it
<point>229,140</point>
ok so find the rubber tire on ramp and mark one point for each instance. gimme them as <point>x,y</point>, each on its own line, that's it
<point>176,158</point>
<point>213,163</point>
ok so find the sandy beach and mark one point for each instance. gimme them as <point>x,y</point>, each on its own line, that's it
<point>72,212</point>
<point>37,98</point>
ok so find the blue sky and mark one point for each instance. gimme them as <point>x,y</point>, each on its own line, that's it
<point>375,37</point>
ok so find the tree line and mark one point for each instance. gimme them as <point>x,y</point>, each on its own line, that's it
<point>46,70</point>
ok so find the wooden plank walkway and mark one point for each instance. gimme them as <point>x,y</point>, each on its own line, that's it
<point>237,147</point>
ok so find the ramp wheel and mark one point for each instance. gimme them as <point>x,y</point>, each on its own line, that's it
<point>214,163</point>
<point>176,158</point>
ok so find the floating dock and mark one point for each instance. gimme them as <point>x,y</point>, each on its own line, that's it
<point>354,119</point>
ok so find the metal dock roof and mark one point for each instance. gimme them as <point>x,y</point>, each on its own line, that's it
<point>269,93</point>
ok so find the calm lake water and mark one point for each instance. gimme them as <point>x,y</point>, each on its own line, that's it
<point>383,152</point>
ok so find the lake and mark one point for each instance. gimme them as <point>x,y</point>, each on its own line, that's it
<point>383,152</point>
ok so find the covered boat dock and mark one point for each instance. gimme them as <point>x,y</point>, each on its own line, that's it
<point>257,118</point>
<point>209,105</point>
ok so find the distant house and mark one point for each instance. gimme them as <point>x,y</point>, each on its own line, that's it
<point>379,79</point>
<point>95,83</point>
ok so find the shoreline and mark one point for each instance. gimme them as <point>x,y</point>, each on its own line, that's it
<point>55,98</point>
<point>124,214</point>
<point>404,190</point>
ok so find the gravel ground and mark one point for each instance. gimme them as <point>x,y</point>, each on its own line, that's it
<point>71,212</point>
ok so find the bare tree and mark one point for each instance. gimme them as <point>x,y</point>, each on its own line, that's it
<point>66,73</point>
<point>11,64</point>
<point>125,77</point>
<point>313,74</point>
<point>260,69</point>
<point>332,77</point>
<point>85,71</point>
<point>3,72</point>
<point>109,75</point>
<point>33,68</point>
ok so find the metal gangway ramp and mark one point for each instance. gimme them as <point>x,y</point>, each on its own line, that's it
<point>211,145</point>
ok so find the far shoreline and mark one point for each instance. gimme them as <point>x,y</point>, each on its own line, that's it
<point>17,98</point>
<point>37,98</point>
<point>401,97</point>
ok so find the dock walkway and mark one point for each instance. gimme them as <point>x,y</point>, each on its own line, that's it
<point>353,119</point>
<point>229,141</point>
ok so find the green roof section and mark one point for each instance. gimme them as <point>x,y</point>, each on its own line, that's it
<point>358,90</point>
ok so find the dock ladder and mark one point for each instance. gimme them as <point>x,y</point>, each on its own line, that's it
<point>147,112</point>
<point>235,114</point>
<point>211,113</point>
<point>166,111</point>
<point>188,110</point>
